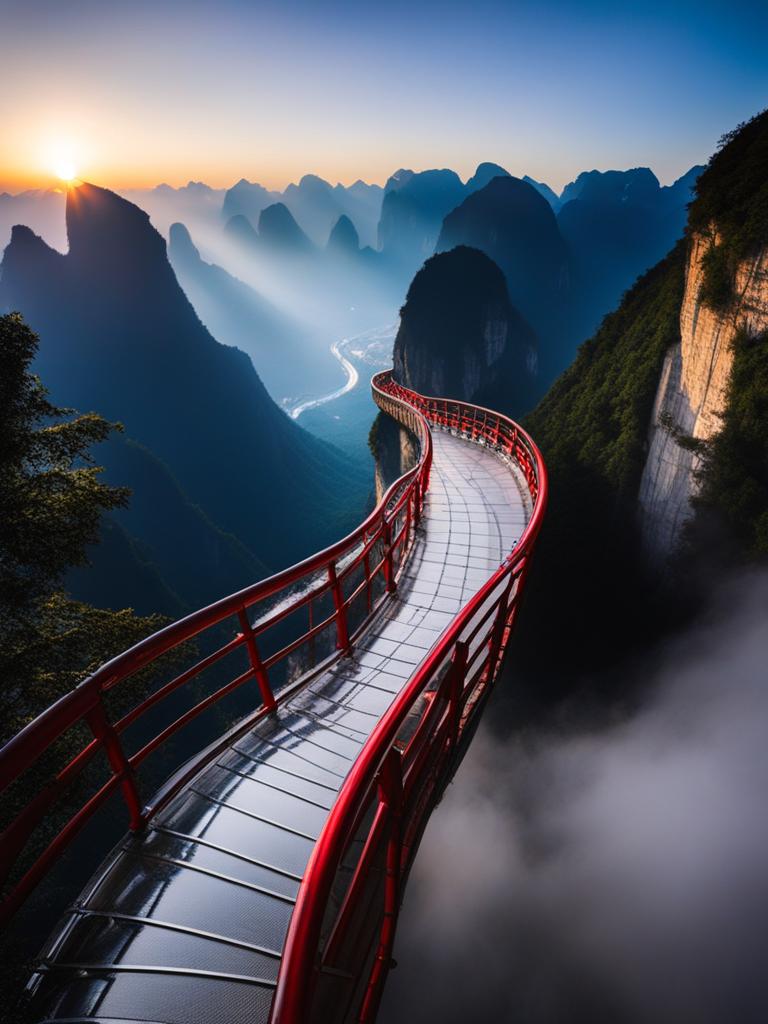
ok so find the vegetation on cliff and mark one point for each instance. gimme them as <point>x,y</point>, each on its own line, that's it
<point>589,587</point>
<point>732,506</point>
<point>596,414</point>
<point>732,199</point>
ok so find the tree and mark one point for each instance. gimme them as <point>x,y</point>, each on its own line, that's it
<point>51,503</point>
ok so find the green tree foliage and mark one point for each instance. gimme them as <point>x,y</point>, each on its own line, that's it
<point>734,474</point>
<point>51,503</point>
<point>589,588</point>
<point>732,198</point>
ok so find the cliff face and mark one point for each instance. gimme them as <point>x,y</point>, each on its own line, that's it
<point>691,394</point>
<point>395,451</point>
<point>461,337</point>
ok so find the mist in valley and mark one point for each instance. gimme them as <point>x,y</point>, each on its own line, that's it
<point>616,874</point>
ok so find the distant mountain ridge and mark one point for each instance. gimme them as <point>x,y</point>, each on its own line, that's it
<point>288,361</point>
<point>314,203</point>
<point>118,335</point>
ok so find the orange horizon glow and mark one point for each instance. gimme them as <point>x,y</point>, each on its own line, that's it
<point>15,181</point>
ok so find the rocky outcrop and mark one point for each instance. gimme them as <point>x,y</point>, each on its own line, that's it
<point>344,237</point>
<point>461,337</point>
<point>691,395</point>
<point>515,226</point>
<point>279,231</point>
<point>395,450</point>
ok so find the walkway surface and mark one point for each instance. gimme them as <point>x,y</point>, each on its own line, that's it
<point>185,924</point>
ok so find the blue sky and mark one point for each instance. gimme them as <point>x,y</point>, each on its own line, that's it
<point>143,92</point>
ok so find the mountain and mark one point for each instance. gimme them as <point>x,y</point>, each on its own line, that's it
<point>247,199</point>
<point>150,542</point>
<point>362,204</point>
<point>315,204</point>
<point>42,209</point>
<point>459,335</point>
<point>279,231</point>
<point>543,189</point>
<point>344,237</point>
<point>514,225</point>
<point>119,335</point>
<point>241,230</point>
<point>412,213</point>
<point>637,186</point>
<point>618,224</point>
<point>195,203</point>
<point>278,234</point>
<point>287,356</point>
<point>485,172</point>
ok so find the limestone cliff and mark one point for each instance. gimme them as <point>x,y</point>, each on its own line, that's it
<point>395,451</point>
<point>691,394</point>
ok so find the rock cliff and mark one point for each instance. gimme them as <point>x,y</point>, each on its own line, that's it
<point>461,337</point>
<point>691,395</point>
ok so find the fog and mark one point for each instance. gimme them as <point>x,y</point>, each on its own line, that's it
<point>617,875</point>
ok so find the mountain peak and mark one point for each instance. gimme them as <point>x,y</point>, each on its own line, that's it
<point>484,173</point>
<point>180,242</point>
<point>102,226</point>
<point>344,236</point>
<point>637,185</point>
<point>313,182</point>
<point>241,228</point>
<point>278,225</point>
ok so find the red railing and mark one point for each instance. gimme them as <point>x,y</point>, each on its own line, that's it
<point>306,614</point>
<point>340,937</point>
<point>341,933</point>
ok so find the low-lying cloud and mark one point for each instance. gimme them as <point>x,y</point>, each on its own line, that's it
<point>617,876</point>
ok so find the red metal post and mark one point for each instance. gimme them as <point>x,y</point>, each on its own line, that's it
<point>391,795</point>
<point>342,630</point>
<point>104,732</point>
<point>389,567</point>
<point>456,675</point>
<point>259,672</point>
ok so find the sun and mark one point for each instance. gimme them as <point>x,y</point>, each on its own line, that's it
<point>66,171</point>
<point>61,161</point>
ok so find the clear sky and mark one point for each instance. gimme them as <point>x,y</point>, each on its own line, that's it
<point>131,94</point>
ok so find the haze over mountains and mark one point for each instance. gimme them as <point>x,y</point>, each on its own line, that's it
<point>298,269</point>
<point>283,276</point>
<point>119,336</point>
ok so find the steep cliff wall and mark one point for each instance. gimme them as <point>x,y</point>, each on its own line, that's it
<point>691,394</point>
<point>395,451</point>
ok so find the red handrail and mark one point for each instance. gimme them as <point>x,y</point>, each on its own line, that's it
<point>399,778</point>
<point>377,548</point>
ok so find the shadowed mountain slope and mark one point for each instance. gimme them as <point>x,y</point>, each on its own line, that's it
<point>460,336</point>
<point>119,335</point>
<point>514,225</point>
<point>289,360</point>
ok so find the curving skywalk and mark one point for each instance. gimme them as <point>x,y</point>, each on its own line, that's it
<point>189,919</point>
